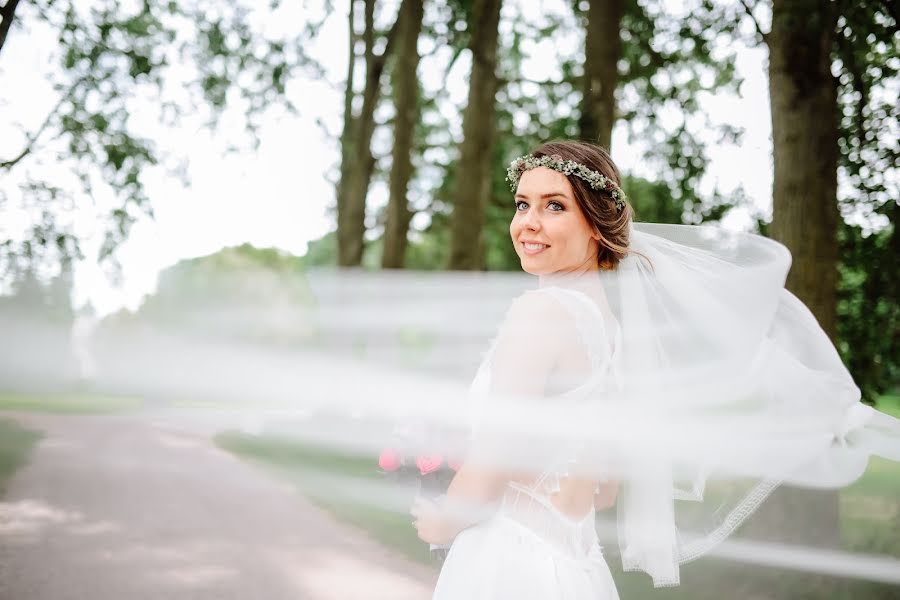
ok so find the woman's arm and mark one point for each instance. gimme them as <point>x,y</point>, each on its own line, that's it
<point>471,497</point>
<point>526,350</point>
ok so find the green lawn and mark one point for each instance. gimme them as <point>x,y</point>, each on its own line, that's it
<point>68,403</point>
<point>890,404</point>
<point>15,444</point>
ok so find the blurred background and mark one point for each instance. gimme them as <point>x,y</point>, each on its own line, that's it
<point>207,166</point>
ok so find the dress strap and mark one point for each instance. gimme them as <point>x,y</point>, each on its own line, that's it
<point>589,321</point>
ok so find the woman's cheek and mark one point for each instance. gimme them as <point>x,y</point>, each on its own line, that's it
<point>514,229</point>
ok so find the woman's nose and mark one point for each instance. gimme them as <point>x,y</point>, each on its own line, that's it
<point>532,220</point>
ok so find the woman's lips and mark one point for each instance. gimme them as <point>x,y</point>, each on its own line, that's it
<point>532,248</point>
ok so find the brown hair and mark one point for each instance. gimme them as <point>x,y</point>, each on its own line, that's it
<point>598,206</point>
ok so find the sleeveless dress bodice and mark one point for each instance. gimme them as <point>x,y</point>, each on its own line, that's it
<point>554,555</point>
<point>532,508</point>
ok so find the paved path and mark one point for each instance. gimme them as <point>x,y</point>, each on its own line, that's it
<point>112,508</point>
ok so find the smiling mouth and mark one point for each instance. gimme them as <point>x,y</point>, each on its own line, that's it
<point>533,248</point>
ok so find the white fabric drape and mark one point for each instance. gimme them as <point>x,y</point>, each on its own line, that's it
<point>711,332</point>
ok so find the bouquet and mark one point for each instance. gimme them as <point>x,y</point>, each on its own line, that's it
<point>432,474</point>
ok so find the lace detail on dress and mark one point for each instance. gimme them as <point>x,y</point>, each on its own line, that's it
<point>572,537</point>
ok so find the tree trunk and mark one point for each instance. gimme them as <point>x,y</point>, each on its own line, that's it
<point>406,99</point>
<point>357,161</point>
<point>602,51</point>
<point>7,14</point>
<point>347,141</point>
<point>472,185</point>
<point>804,130</point>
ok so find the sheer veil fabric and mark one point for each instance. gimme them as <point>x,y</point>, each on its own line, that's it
<point>722,387</point>
<point>710,337</point>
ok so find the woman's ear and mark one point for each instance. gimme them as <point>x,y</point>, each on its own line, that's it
<point>595,233</point>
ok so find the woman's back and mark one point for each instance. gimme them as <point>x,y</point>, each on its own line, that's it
<point>569,500</point>
<point>555,494</point>
<point>585,352</point>
<point>544,524</point>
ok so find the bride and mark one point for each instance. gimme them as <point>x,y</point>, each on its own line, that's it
<point>689,333</point>
<point>544,527</point>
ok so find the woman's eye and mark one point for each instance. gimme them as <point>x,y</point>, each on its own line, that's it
<point>552,205</point>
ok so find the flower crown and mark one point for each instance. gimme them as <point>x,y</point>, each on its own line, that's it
<point>567,167</point>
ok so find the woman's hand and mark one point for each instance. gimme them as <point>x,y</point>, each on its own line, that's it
<point>470,498</point>
<point>430,522</point>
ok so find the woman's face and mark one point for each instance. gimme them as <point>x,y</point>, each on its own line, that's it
<point>549,231</point>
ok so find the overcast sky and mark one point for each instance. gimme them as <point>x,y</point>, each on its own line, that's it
<point>280,196</point>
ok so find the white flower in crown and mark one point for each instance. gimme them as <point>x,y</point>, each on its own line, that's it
<point>567,167</point>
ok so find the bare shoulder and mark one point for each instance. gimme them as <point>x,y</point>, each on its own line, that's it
<point>535,304</point>
<point>528,345</point>
<point>539,306</point>
<point>537,319</point>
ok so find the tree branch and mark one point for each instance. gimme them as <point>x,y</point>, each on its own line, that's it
<point>32,139</point>
<point>503,81</point>
<point>7,13</point>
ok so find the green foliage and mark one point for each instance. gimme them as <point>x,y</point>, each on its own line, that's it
<point>658,52</point>
<point>866,57</point>
<point>652,201</point>
<point>110,55</point>
<point>32,294</point>
<point>668,64</point>
<point>250,293</point>
<point>105,53</point>
<point>16,443</point>
<point>238,274</point>
<point>430,249</point>
<point>868,312</point>
<point>322,252</point>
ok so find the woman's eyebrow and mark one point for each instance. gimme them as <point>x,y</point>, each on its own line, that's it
<point>545,196</point>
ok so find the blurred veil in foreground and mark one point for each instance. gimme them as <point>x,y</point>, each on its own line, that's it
<point>719,384</point>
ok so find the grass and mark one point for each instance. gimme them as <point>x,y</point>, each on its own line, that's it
<point>68,403</point>
<point>16,443</point>
<point>890,404</point>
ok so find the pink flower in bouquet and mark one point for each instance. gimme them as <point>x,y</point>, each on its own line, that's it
<point>427,464</point>
<point>454,464</point>
<point>389,459</point>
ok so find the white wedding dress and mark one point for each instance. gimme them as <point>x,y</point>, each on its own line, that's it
<point>529,549</point>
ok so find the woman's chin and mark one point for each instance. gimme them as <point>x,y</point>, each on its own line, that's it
<point>532,267</point>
